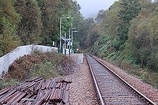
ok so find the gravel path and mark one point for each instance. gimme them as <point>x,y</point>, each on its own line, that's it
<point>82,90</point>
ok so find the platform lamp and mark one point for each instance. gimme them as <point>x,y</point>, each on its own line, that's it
<point>73,37</point>
<point>69,37</point>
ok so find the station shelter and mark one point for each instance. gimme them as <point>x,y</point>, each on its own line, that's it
<point>66,45</point>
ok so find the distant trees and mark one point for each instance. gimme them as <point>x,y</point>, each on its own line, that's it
<point>92,35</point>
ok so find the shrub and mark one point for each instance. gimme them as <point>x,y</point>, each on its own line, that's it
<point>7,83</point>
<point>46,70</point>
<point>48,65</point>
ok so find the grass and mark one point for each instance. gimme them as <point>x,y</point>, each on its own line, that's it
<point>146,75</point>
<point>7,83</point>
<point>45,69</point>
<point>143,73</point>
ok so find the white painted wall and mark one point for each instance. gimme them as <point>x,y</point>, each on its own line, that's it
<point>9,58</point>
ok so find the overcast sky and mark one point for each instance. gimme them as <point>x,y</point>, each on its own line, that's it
<point>90,8</point>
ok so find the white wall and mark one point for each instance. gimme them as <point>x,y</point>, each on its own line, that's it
<point>9,58</point>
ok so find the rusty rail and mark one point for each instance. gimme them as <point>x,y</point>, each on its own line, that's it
<point>38,91</point>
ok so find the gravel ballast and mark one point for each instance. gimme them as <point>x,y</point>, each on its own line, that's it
<point>82,90</point>
<point>144,88</point>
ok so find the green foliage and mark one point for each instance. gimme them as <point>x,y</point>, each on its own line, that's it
<point>142,42</point>
<point>100,16</point>
<point>116,43</point>
<point>7,83</point>
<point>83,31</point>
<point>47,65</point>
<point>101,46</point>
<point>78,22</point>
<point>29,29</point>
<point>66,23</point>
<point>129,10</point>
<point>40,20</point>
<point>45,69</point>
<point>152,62</point>
<point>92,35</point>
<point>40,3</point>
<point>108,40</point>
<point>111,20</point>
<point>9,20</point>
<point>131,39</point>
<point>52,11</point>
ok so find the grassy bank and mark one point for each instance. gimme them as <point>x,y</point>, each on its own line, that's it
<point>144,74</point>
<point>37,64</point>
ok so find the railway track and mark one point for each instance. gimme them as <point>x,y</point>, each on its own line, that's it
<point>112,89</point>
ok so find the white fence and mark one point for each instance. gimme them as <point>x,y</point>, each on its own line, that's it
<point>9,58</point>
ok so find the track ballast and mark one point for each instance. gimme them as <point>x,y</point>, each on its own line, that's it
<point>112,89</point>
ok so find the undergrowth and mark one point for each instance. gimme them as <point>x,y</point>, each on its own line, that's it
<point>7,83</point>
<point>45,69</point>
<point>46,65</point>
<point>144,74</point>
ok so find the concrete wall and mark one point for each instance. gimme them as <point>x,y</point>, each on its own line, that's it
<point>9,58</point>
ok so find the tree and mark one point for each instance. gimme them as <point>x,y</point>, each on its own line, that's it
<point>9,20</point>
<point>142,44</point>
<point>52,11</point>
<point>93,34</point>
<point>111,20</point>
<point>29,29</point>
<point>78,21</point>
<point>129,10</point>
<point>108,23</point>
<point>100,16</point>
<point>83,32</point>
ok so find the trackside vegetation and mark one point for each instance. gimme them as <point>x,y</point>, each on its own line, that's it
<point>128,37</point>
<point>38,64</point>
<point>126,34</point>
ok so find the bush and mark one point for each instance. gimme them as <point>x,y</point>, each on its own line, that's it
<point>152,62</point>
<point>7,83</point>
<point>48,65</point>
<point>46,70</point>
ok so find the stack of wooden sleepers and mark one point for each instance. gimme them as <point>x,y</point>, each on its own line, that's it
<point>37,91</point>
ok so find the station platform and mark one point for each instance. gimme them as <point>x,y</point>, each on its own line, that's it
<point>78,58</point>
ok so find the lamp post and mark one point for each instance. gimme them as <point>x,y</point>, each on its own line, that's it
<point>61,32</point>
<point>73,37</point>
<point>69,38</point>
<point>60,36</point>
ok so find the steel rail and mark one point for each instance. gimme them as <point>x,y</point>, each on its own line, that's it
<point>96,84</point>
<point>142,95</point>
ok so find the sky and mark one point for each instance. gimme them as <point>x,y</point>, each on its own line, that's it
<point>90,8</point>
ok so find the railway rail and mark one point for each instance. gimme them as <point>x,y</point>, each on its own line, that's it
<point>37,91</point>
<point>112,89</point>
